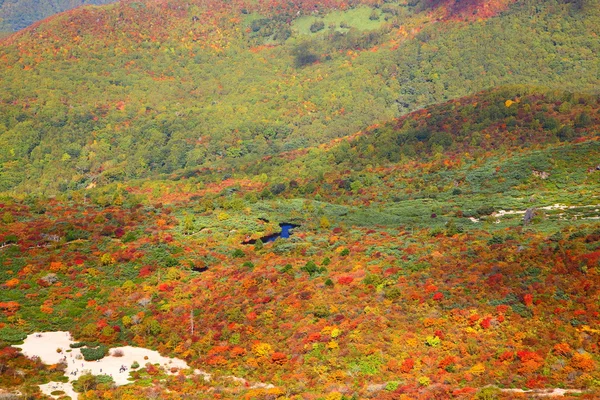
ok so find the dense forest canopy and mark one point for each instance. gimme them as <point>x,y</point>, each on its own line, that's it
<point>135,89</point>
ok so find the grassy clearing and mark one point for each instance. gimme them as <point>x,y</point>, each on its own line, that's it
<point>357,18</point>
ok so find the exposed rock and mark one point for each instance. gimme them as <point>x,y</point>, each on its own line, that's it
<point>529,214</point>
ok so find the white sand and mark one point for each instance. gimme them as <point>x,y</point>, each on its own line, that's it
<point>45,344</point>
<point>556,392</point>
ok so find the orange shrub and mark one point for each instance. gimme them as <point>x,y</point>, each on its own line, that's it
<point>56,266</point>
<point>583,362</point>
<point>217,360</point>
<point>407,365</point>
<point>562,349</point>
<point>278,358</point>
<point>9,307</point>
<point>237,352</point>
<point>11,283</point>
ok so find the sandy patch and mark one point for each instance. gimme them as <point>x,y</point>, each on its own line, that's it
<point>502,213</point>
<point>556,392</point>
<point>44,345</point>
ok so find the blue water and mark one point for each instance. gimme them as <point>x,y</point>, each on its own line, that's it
<point>285,233</point>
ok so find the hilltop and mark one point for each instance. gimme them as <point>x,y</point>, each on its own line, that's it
<point>133,89</point>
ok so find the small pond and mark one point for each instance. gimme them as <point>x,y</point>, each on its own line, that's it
<point>286,231</point>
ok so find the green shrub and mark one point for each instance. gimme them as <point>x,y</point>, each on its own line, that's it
<point>496,240</point>
<point>368,365</point>
<point>485,210</point>
<point>372,279</point>
<point>237,253</point>
<point>582,120</point>
<point>13,335</point>
<point>129,237</point>
<point>317,26</point>
<point>90,382</point>
<point>312,269</point>
<point>321,311</point>
<point>77,345</point>
<point>94,353</point>
<point>488,393</point>
<point>522,310</point>
<point>11,239</point>
<point>392,293</point>
<point>286,268</point>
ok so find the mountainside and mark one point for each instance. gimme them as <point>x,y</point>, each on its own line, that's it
<point>486,144</point>
<point>414,269</point>
<point>136,89</point>
<point>303,200</point>
<point>19,14</point>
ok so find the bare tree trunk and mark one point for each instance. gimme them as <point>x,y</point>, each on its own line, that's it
<point>192,321</point>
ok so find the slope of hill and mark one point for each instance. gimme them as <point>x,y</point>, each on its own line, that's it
<point>19,14</point>
<point>450,251</point>
<point>135,89</point>
<point>411,272</point>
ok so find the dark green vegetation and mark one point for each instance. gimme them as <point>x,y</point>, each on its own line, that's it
<point>18,14</point>
<point>119,93</point>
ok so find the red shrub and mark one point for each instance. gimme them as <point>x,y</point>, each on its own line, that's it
<point>486,323</point>
<point>145,271</point>
<point>278,358</point>
<point>407,365</point>
<point>345,280</point>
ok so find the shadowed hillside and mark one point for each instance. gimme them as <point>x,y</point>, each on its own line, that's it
<point>19,14</point>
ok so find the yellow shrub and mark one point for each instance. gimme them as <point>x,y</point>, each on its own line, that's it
<point>477,369</point>
<point>583,362</point>
<point>262,349</point>
<point>334,396</point>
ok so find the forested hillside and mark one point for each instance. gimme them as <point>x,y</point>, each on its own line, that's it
<point>18,14</point>
<point>451,253</point>
<point>307,200</point>
<point>136,89</point>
